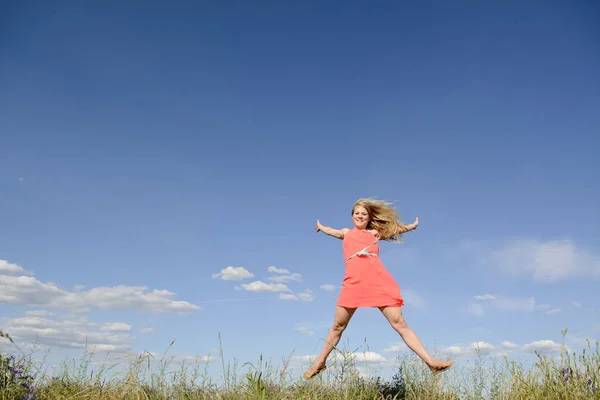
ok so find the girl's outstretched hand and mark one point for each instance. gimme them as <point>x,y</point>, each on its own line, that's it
<point>414,224</point>
<point>318,227</point>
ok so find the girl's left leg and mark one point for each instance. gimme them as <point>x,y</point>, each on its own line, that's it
<point>396,320</point>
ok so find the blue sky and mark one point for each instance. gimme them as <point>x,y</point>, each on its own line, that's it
<point>147,148</point>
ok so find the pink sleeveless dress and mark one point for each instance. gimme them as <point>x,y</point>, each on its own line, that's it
<point>366,281</point>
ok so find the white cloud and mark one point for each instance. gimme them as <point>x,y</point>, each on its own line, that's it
<point>455,351</point>
<point>116,327</point>
<point>286,278</point>
<point>398,348</point>
<point>146,330</point>
<point>158,301</point>
<point>304,331</point>
<point>479,347</point>
<point>191,359</point>
<point>553,311</point>
<point>278,270</point>
<point>166,359</point>
<point>306,295</point>
<point>576,304</point>
<point>483,347</point>
<point>259,286</point>
<point>27,290</point>
<point>484,297</point>
<point>369,357</point>
<point>546,262</point>
<point>9,269</point>
<point>67,332</point>
<point>233,274</point>
<point>508,345</point>
<point>543,346</point>
<point>30,291</point>
<point>38,313</point>
<point>504,304</point>
<point>328,286</point>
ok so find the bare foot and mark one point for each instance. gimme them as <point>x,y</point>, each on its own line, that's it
<point>438,366</point>
<point>314,370</point>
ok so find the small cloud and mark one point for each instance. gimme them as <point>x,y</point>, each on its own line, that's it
<point>306,295</point>
<point>278,270</point>
<point>7,268</point>
<point>454,351</point>
<point>78,288</point>
<point>485,297</point>
<point>70,332</point>
<point>37,313</point>
<point>328,286</point>
<point>304,331</point>
<point>116,327</point>
<point>473,349</point>
<point>576,304</point>
<point>546,262</point>
<point>80,310</point>
<point>398,348</point>
<point>505,304</point>
<point>184,359</point>
<point>286,278</point>
<point>27,290</point>
<point>259,286</point>
<point>146,330</point>
<point>233,274</point>
<point>369,357</point>
<point>553,311</point>
<point>483,347</point>
<point>508,345</point>
<point>543,346</point>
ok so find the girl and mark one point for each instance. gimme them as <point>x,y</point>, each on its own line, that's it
<point>366,281</point>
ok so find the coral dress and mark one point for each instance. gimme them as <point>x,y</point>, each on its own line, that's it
<point>366,281</point>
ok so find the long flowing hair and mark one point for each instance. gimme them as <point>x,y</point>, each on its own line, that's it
<point>383,218</point>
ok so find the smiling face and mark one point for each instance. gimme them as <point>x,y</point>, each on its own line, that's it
<point>360,216</point>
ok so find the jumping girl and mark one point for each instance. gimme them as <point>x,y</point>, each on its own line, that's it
<point>367,283</point>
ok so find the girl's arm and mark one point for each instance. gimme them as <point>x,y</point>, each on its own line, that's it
<point>409,227</point>
<point>336,233</point>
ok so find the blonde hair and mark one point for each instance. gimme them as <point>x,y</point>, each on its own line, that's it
<point>383,218</point>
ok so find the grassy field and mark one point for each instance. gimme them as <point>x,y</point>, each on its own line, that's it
<point>569,377</point>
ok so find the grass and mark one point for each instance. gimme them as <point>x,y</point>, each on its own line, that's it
<point>571,376</point>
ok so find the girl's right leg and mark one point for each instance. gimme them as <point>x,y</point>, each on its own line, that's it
<point>342,316</point>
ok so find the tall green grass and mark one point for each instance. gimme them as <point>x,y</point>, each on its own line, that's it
<point>570,376</point>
